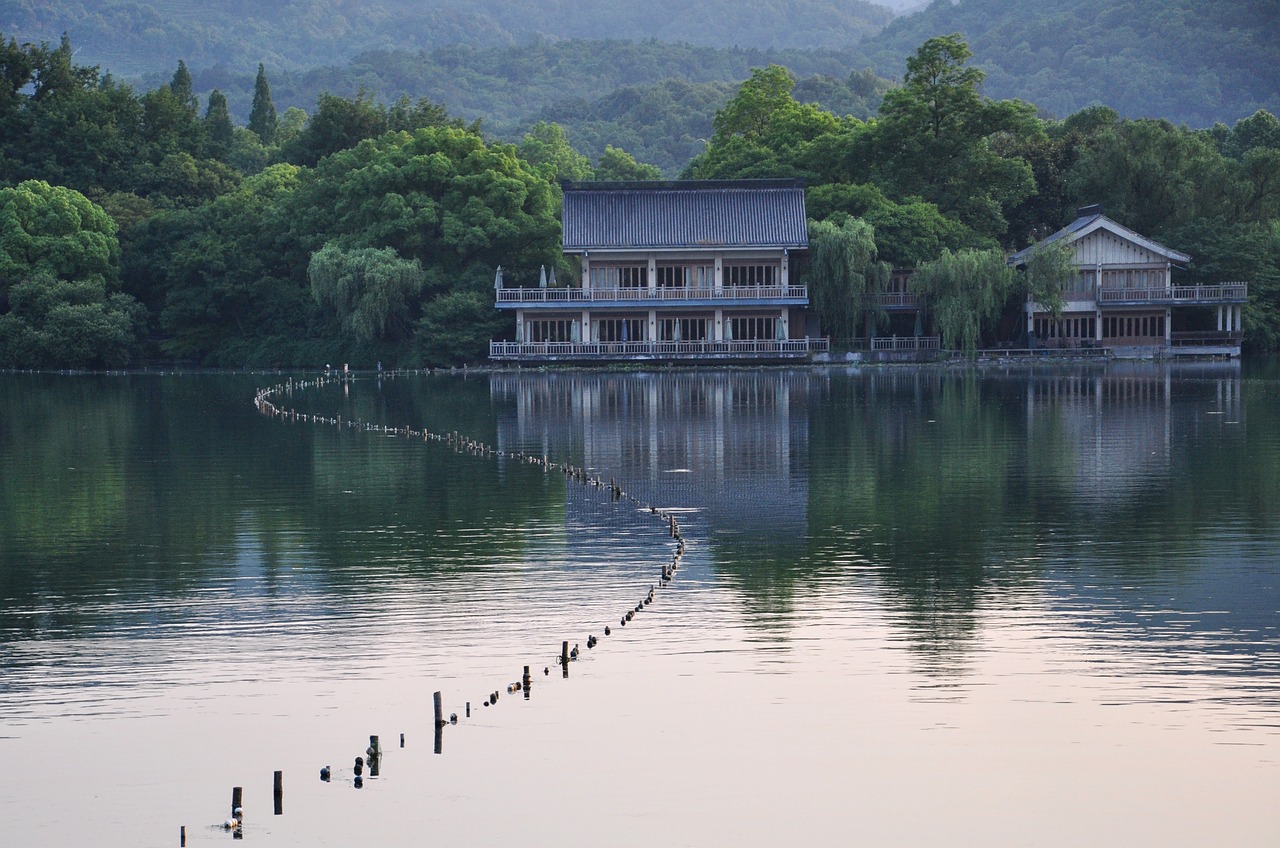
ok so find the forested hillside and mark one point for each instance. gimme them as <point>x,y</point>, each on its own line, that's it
<point>1189,61</point>
<point>653,98</point>
<point>132,37</point>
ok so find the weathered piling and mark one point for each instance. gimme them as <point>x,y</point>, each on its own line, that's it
<point>182,836</point>
<point>278,792</point>
<point>459,442</point>
<point>237,795</point>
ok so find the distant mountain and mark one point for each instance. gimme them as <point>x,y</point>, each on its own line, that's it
<point>131,37</point>
<point>654,99</point>
<point>1191,61</point>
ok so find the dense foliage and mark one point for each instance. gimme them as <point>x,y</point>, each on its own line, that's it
<point>947,175</point>
<point>155,224</point>
<point>1190,61</point>
<point>132,36</point>
<point>652,98</point>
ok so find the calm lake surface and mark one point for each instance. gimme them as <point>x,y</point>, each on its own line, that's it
<point>1035,606</point>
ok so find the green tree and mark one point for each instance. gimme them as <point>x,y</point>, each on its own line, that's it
<point>69,324</point>
<point>292,124</point>
<point>369,290</point>
<point>763,132</point>
<point>547,148</point>
<point>455,329</point>
<point>338,124</point>
<point>169,125</point>
<point>218,129</point>
<point>262,115</point>
<point>1154,177</point>
<point>1048,273</point>
<point>617,164</point>
<point>750,113</point>
<point>441,195</point>
<point>964,293</point>
<point>845,276</point>
<point>907,234</point>
<point>936,139</point>
<point>56,231</point>
<point>229,277</point>
<point>180,85</point>
<point>57,269</point>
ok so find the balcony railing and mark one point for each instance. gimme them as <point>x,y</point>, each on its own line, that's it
<point>1206,338</point>
<point>1218,293</point>
<point>907,343</point>
<point>746,349</point>
<point>897,300</point>
<point>644,294</point>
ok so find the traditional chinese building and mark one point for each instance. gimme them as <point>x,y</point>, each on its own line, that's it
<point>675,271</point>
<point>1124,298</point>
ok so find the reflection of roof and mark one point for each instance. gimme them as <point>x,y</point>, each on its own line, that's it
<point>1086,224</point>
<point>684,214</point>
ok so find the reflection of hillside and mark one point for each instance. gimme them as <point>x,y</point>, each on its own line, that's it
<point>174,483</point>
<point>952,486</point>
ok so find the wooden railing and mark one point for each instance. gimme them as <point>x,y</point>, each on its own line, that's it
<point>593,295</point>
<point>1187,338</point>
<point>1220,293</point>
<point>620,350</point>
<point>890,300</point>
<point>907,343</point>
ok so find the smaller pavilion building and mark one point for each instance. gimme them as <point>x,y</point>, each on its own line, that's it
<point>672,271</point>
<point>1124,298</point>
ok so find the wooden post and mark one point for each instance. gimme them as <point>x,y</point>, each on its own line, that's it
<point>278,792</point>
<point>564,657</point>
<point>439,711</point>
<point>182,837</point>
<point>237,794</point>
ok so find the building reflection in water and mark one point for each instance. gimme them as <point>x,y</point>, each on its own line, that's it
<point>731,445</point>
<point>1122,425</point>
<point>941,487</point>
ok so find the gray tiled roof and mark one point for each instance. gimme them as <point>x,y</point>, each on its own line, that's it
<point>684,214</point>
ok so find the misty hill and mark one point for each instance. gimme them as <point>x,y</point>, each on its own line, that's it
<point>654,99</point>
<point>1191,61</point>
<point>133,37</point>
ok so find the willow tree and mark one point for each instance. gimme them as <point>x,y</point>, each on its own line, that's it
<point>965,292</point>
<point>845,276</point>
<point>1047,275</point>
<point>371,291</point>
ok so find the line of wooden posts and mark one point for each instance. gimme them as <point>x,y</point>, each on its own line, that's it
<point>265,401</point>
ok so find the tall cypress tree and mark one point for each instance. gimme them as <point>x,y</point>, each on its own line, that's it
<point>262,118</point>
<point>181,87</point>
<point>217,124</point>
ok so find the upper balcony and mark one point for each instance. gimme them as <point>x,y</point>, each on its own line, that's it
<point>632,296</point>
<point>1210,295</point>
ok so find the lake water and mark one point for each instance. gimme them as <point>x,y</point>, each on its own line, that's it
<point>1034,606</point>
